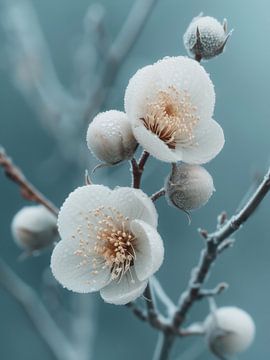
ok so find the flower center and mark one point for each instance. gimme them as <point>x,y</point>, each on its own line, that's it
<point>115,244</point>
<point>172,117</point>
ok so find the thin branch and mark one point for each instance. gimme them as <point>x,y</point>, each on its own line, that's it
<point>137,311</point>
<point>37,313</point>
<point>137,169</point>
<point>211,251</point>
<point>158,194</point>
<point>28,191</point>
<point>163,297</point>
<point>118,52</point>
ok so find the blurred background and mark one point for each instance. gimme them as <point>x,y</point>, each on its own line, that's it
<point>53,63</point>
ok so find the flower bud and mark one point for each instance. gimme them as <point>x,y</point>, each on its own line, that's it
<point>229,331</point>
<point>34,228</point>
<point>205,37</point>
<point>188,187</point>
<point>110,137</point>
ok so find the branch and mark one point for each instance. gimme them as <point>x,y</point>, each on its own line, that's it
<point>137,169</point>
<point>28,191</point>
<point>158,194</point>
<point>118,52</point>
<point>37,313</point>
<point>214,243</point>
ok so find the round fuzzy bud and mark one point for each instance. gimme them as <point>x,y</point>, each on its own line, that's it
<point>229,331</point>
<point>205,37</point>
<point>188,187</point>
<point>34,228</point>
<point>110,137</point>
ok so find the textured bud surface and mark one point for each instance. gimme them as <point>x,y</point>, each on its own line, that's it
<point>229,330</point>
<point>110,137</point>
<point>205,37</point>
<point>189,186</point>
<point>34,228</point>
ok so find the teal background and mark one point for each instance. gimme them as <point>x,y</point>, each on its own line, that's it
<point>242,83</point>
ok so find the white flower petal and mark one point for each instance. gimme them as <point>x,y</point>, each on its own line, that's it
<point>151,143</point>
<point>134,204</point>
<point>208,142</point>
<point>186,74</point>
<point>77,206</point>
<point>150,250</point>
<point>72,272</point>
<point>125,291</point>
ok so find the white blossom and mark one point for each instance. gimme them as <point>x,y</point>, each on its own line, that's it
<point>229,330</point>
<point>189,186</point>
<point>170,105</point>
<point>206,37</point>
<point>109,242</point>
<point>110,137</point>
<point>34,227</point>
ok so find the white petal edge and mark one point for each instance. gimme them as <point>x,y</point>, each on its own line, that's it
<point>150,249</point>
<point>151,143</point>
<point>134,204</point>
<point>76,207</point>
<point>209,141</point>
<point>66,268</point>
<point>123,292</point>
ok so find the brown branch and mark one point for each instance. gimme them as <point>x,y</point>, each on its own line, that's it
<point>28,191</point>
<point>137,169</point>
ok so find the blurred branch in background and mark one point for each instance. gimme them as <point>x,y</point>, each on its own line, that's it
<point>52,335</point>
<point>65,112</point>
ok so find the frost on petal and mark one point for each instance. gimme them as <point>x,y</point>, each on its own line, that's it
<point>134,204</point>
<point>124,291</point>
<point>77,206</point>
<point>150,250</point>
<point>208,142</point>
<point>74,270</point>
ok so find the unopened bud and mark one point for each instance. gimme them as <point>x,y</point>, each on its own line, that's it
<point>205,37</point>
<point>110,137</point>
<point>229,331</point>
<point>188,187</point>
<point>34,228</point>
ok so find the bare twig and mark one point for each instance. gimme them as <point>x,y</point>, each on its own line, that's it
<point>207,259</point>
<point>137,169</point>
<point>37,313</point>
<point>28,191</point>
<point>158,194</point>
<point>137,311</point>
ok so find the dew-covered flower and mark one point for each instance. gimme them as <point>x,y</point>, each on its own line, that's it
<point>206,37</point>
<point>229,331</point>
<point>170,105</point>
<point>188,187</point>
<point>109,243</point>
<point>34,228</point>
<point>110,137</point>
